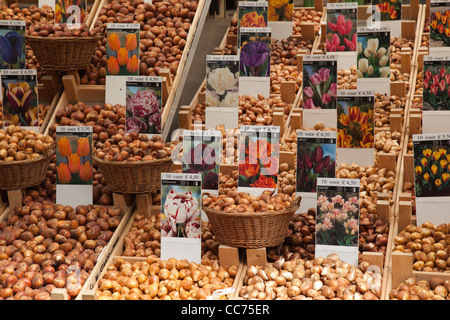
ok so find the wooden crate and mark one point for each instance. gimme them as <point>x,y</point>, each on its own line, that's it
<point>61,294</point>
<point>88,292</point>
<point>374,258</point>
<point>173,85</point>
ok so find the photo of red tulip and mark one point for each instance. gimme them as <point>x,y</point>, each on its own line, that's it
<point>316,157</point>
<point>439,24</point>
<point>436,85</point>
<point>341,30</point>
<point>201,154</point>
<point>388,9</point>
<point>258,159</point>
<point>122,51</point>
<point>74,159</point>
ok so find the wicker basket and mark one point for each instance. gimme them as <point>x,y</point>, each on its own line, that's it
<point>24,173</point>
<point>133,177</point>
<point>64,53</point>
<point>251,230</point>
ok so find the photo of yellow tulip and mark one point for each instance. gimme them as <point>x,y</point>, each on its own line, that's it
<point>122,51</point>
<point>74,158</point>
<point>431,168</point>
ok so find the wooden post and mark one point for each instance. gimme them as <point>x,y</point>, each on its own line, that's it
<point>408,165</point>
<point>409,30</point>
<point>387,160</point>
<point>405,55</point>
<point>398,88</point>
<point>300,62</point>
<point>185,118</point>
<point>401,267</point>
<point>165,72</point>
<point>404,214</point>
<point>232,39</point>
<point>296,120</point>
<point>308,33</point>
<point>318,5</point>
<point>228,256</point>
<point>121,200</point>
<point>323,32</point>
<point>288,91</point>
<point>50,87</point>
<point>415,124</point>
<point>383,196</point>
<point>375,259</point>
<point>15,198</point>
<point>88,295</point>
<point>143,204</point>
<point>59,294</point>
<point>70,87</point>
<point>257,257</point>
<point>420,54</point>
<point>278,120</point>
<point>404,196</point>
<point>414,4</point>
<point>383,210</point>
<point>201,97</point>
<point>395,122</point>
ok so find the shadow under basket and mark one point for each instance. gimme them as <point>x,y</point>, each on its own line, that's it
<point>251,230</point>
<point>64,53</point>
<point>133,177</point>
<point>24,173</point>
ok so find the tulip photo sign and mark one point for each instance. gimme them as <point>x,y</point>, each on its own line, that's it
<point>281,13</point>
<point>252,14</point>
<point>319,90</point>
<point>20,98</point>
<point>201,154</point>
<point>342,33</point>
<point>355,127</point>
<point>337,218</point>
<point>181,216</point>
<point>144,105</point>
<point>390,15</point>
<point>254,61</point>
<point>316,157</point>
<point>12,44</point>
<point>74,169</point>
<point>439,27</point>
<point>72,13</point>
<point>432,177</point>
<point>259,148</point>
<point>436,94</point>
<point>373,60</point>
<point>222,91</point>
<point>122,54</point>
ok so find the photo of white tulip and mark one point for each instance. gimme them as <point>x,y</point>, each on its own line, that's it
<point>373,55</point>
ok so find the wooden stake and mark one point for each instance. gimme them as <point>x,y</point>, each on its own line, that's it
<point>228,256</point>
<point>143,204</point>
<point>374,258</point>
<point>396,122</point>
<point>404,214</point>
<point>318,5</point>
<point>185,119</point>
<point>59,294</point>
<point>288,91</point>
<point>401,267</point>
<point>15,198</point>
<point>296,120</point>
<point>300,62</point>
<point>404,196</point>
<point>88,295</point>
<point>387,160</point>
<point>398,88</point>
<point>257,257</point>
<point>383,210</point>
<point>415,124</point>
<point>406,60</point>
<point>409,29</point>
<point>70,87</point>
<point>308,32</point>
<point>408,167</point>
<point>121,200</point>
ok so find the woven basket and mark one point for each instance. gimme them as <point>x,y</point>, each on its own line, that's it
<point>24,173</point>
<point>64,53</point>
<point>133,177</point>
<point>251,230</point>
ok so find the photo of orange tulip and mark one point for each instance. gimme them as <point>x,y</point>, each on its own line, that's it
<point>122,52</point>
<point>74,159</point>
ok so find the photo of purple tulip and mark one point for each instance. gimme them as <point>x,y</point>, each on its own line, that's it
<point>12,49</point>
<point>314,160</point>
<point>319,85</point>
<point>254,56</point>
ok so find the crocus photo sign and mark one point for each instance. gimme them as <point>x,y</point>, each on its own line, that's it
<point>222,91</point>
<point>439,27</point>
<point>202,154</point>
<point>254,61</point>
<point>258,158</point>
<point>316,157</point>
<point>390,12</point>
<point>342,32</point>
<point>436,94</point>
<point>122,56</point>
<point>74,185</point>
<point>181,216</point>
<point>319,90</point>
<point>432,177</point>
<point>373,60</point>
<point>337,218</point>
<point>13,46</point>
<point>143,105</point>
<point>20,98</point>
<point>355,127</point>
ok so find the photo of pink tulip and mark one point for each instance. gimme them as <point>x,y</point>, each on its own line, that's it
<point>319,85</point>
<point>436,86</point>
